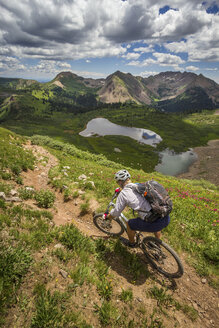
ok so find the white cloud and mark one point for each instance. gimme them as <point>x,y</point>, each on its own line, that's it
<point>11,64</point>
<point>145,62</point>
<point>211,69</point>
<point>168,59</point>
<point>55,30</point>
<point>203,46</point>
<point>192,68</point>
<point>162,59</point>
<point>148,73</point>
<point>88,26</point>
<point>143,49</point>
<point>94,75</point>
<point>131,55</point>
<point>51,66</point>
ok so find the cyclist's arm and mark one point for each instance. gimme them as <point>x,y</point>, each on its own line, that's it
<point>121,203</point>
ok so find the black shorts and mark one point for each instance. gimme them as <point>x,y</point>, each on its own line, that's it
<point>141,225</point>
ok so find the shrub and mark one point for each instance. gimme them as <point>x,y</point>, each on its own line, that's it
<point>126,295</point>
<point>67,195</point>
<point>45,198</point>
<point>105,288</point>
<point>84,208</point>
<point>75,240</point>
<point>26,193</point>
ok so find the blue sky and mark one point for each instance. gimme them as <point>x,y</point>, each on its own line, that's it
<point>94,38</point>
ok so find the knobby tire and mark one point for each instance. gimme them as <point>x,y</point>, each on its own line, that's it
<point>110,227</point>
<point>162,257</point>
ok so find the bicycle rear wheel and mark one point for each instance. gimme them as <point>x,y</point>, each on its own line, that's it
<point>111,227</point>
<point>162,257</point>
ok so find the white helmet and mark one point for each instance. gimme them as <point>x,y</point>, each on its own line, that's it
<point>122,175</point>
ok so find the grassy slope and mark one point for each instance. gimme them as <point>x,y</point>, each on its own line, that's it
<point>28,241</point>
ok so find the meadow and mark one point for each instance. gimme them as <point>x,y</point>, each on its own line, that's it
<point>178,131</point>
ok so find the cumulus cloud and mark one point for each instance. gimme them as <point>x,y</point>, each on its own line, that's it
<point>204,45</point>
<point>11,64</point>
<point>167,59</point>
<point>52,66</point>
<point>192,68</point>
<point>56,31</point>
<point>144,49</point>
<point>148,73</point>
<point>86,27</point>
<point>162,59</point>
<point>131,55</point>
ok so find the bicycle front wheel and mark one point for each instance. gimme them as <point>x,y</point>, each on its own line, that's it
<point>111,227</point>
<point>162,257</point>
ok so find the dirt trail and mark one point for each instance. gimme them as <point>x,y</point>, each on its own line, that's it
<point>190,289</point>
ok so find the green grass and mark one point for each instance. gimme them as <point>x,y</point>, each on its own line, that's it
<point>30,263</point>
<point>164,299</point>
<point>14,159</point>
<point>126,295</point>
<point>178,131</point>
<point>194,219</point>
<point>49,310</point>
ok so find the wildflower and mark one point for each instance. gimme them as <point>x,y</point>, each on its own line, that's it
<point>106,287</point>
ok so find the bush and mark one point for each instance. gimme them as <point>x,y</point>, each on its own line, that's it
<point>26,193</point>
<point>84,208</point>
<point>72,238</point>
<point>45,198</point>
<point>67,195</point>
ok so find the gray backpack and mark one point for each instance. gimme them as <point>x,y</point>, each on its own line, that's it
<point>158,198</point>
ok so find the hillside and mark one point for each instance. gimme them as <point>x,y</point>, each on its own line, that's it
<point>57,270</point>
<point>67,92</point>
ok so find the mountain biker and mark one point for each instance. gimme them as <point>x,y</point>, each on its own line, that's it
<point>128,197</point>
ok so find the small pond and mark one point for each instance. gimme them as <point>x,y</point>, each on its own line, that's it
<point>103,127</point>
<point>174,164</point>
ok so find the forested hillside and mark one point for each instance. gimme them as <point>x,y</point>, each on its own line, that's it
<point>69,93</point>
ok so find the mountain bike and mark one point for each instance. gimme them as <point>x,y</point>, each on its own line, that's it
<point>158,254</point>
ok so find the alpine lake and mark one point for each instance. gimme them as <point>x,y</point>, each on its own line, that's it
<point>170,163</point>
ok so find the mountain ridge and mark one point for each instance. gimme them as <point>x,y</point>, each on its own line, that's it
<point>167,91</point>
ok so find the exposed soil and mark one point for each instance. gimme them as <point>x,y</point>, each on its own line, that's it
<point>189,289</point>
<point>206,167</point>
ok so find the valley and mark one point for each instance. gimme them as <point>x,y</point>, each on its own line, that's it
<point>63,107</point>
<point>178,132</point>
